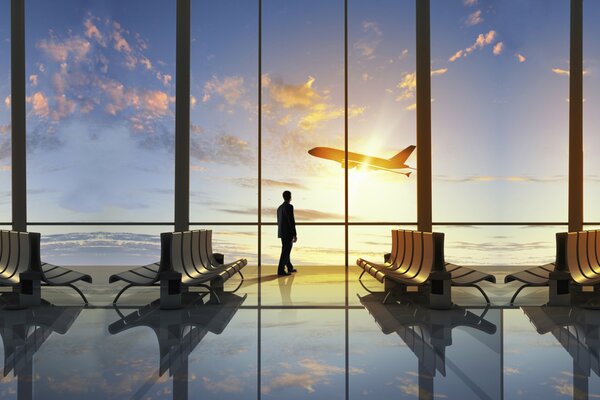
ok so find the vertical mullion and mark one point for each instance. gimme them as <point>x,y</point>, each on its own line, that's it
<point>346,312</point>
<point>182,117</point>
<point>576,118</point>
<point>424,209</point>
<point>259,215</point>
<point>18,117</point>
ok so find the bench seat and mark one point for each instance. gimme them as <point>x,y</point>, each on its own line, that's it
<point>416,259</point>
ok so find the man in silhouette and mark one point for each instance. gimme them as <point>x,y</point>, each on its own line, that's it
<point>286,230</point>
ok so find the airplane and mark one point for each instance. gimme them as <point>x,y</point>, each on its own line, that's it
<point>355,159</point>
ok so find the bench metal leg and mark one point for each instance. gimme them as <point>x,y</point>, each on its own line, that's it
<point>212,293</point>
<point>121,292</point>
<point>389,292</point>
<point>512,300</point>
<point>487,299</point>
<point>78,291</point>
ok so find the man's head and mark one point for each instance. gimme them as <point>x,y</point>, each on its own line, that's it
<point>287,196</point>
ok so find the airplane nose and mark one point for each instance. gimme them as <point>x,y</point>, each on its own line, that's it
<point>311,152</point>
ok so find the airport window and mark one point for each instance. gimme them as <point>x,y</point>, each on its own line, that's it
<point>5,113</point>
<point>591,119</point>
<point>381,91</point>
<point>224,111</point>
<point>303,107</point>
<point>100,126</point>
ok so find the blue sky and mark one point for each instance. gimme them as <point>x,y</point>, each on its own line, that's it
<point>101,87</point>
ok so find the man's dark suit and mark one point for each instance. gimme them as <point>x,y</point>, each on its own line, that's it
<point>286,230</point>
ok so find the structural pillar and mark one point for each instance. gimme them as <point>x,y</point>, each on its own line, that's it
<point>182,118</point>
<point>424,208</point>
<point>576,119</point>
<point>18,133</point>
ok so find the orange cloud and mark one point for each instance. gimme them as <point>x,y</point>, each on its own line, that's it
<point>498,47</point>
<point>7,101</point>
<point>367,46</point>
<point>92,32</point>
<point>481,41</point>
<point>520,57</point>
<point>75,47</point>
<point>39,104</point>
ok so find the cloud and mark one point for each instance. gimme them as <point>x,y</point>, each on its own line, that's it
<point>39,104</point>
<point>312,373</point>
<point>560,71</point>
<point>474,18</point>
<point>231,384</point>
<point>253,182</point>
<point>314,106</point>
<point>439,71</point>
<point>220,147</point>
<point>75,48</point>
<point>520,57</point>
<point>300,214</point>
<point>92,31</point>
<point>510,178</point>
<point>7,101</point>
<point>121,45</point>
<point>470,3</point>
<point>33,80</point>
<point>498,47</point>
<point>366,46</point>
<point>288,96</point>
<point>408,85</point>
<point>482,41</point>
<point>231,88</point>
<point>366,76</point>
<point>511,371</point>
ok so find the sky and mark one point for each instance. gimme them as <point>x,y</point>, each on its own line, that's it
<point>101,101</point>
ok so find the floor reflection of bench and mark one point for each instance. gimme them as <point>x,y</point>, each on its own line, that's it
<point>21,267</point>
<point>187,260</point>
<point>577,264</point>
<point>23,334</point>
<point>427,333</point>
<point>578,331</point>
<point>417,259</point>
<point>178,333</point>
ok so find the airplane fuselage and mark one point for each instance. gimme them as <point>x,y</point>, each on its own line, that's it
<point>354,159</point>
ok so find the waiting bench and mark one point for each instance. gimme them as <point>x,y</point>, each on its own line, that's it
<point>577,263</point>
<point>187,260</point>
<point>417,259</point>
<point>21,268</point>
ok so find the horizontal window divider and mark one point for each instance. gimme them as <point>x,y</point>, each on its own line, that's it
<point>306,223</point>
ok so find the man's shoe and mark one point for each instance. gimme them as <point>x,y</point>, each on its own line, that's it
<point>293,270</point>
<point>283,274</point>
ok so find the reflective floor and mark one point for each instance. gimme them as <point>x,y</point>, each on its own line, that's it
<point>292,347</point>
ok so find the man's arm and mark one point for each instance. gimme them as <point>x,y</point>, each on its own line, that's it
<point>293,221</point>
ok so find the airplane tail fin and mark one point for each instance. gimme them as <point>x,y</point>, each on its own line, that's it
<point>408,174</point>
<point>399,159</point>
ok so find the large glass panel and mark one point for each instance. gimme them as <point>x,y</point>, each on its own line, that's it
<point>224,88</point>
<point>303,107</point>
<point>420,354</point>
<point>100,245</point>
<point>591,119</point>
<point>500,112</point>
<point>100,110</point>
<point>382,106</point>
<point>5,119</point>
<point>319,258</point>
<point>302,354</point>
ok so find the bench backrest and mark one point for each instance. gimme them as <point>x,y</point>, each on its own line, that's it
<point>182,248</point>
<point>582,256</point>
<point>416,254</point>
<point>17,254</point>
